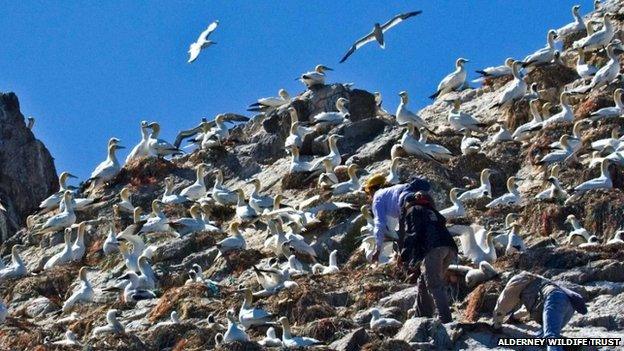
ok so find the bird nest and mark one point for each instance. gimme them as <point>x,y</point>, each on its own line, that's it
<point>481,301</point>
<point>173,298</point>
<point>388,344</point>
<point>53,283</point>
<point>299,180</point>
<point>326,329</point>
<point>144,171</point>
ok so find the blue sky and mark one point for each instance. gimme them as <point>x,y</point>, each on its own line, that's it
<point>89,70</point>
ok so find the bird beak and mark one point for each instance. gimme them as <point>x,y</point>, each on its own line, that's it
<point>120,147</point>
<point>328,69</point>
<point>71,175</point>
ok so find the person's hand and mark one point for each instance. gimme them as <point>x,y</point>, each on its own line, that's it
<point>376,256</point>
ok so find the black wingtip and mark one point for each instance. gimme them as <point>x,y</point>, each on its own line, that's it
<point>483,73</point>
<point>435,95</point>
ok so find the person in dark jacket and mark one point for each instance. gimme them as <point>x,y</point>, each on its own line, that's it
<point>424,240</point>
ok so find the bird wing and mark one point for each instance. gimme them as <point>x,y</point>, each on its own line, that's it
<point>358,44</point>
<point>398,19</point>
<point>233,117</point>
<point>204,35</point>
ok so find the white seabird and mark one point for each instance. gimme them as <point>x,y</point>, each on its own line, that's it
<point>477,243</point>
<point>220,193</point>
<point>577,231</point>
<point>270,340</point>
<point>545,54</point>
<point>583,69</point>
<point>611,111</point>
<point>159,147</point>
<point>288,340</point>
<point>250,316</point>
<point>420,147</point>
<point>369,247</point>
<point>233,333</point>
<point>607,73</point>
<point>565,115</point>
<point>79,248</point>
<point>469,144</point>
<point>562,154</point>
<point>134,290</point>
<point>141,149</point>
<point>235,241</point>
<point>459,120</point>
<point>574,27</point>
<point>613,141</point>
<point>109,168</point>
<point>457,209</point>
<point>53,200</point>
<point>157,222</point>
<point>602,182</point>
<point>599,38</point>
<point>294,137</point>
<point>297,165</point>
<point>454,81</point>
<point>351,185</point>
<point>618,238</point>
<point>244,212</point>
<point>126,203</point>
<point>334,154</point>
<point>554,191</point>
<point>111,244</point>
<point>64,256</point>
<point>332,268</point>
<point>272,280</point>
<point>83,294</point>
<point>187,225</point>
<point>169,197</point>
<point>485,189</point>
<point>574,140</point>
<point>501,135</point>
<point>514,90</point>
<point>316,77</point>
<point>198,189</point>
<point>202,42</point>
<point>497,71</point>
<point>404,115</point>
<point>328,177</point>
<point>257,201</point>
<point>63,219</point>
<point>271,103</point>
<point>378,323</point>
<point>70,339</point>
<point>514,240</point>
<point>112,327</point>
<point>332,117</point>
<point>484,273</point>
<point>393,176</point>
<point>513,197</point>
<point>17,268</point>
<point>378,33</point>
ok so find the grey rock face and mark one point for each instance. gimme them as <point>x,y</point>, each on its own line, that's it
<point>27,173</point>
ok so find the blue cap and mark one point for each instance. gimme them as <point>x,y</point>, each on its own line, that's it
<point>419,184</point>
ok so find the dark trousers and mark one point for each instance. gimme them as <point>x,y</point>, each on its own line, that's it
<point>431,287</point>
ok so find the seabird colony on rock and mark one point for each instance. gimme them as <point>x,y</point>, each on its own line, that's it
<point>293,255</point>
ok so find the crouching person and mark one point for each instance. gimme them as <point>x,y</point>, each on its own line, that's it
<point>425,241</point>
<point>549,304</point>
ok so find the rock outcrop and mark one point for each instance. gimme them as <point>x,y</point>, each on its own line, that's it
<point>27,173</point>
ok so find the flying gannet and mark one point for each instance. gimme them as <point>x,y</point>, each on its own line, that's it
<point>202,42</point>
<point>378,33</point>
<point>454,81</point>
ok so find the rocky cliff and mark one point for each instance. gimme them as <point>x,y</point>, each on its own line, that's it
<point>27,173</point>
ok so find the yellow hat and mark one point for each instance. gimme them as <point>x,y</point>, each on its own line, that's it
<point>376,180</point>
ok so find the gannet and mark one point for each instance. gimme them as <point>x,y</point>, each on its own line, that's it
<point>607,73</point>
<point>456,210</point>
<point>64,256</point>
<point>477,243</point>
<point>583,69</point>
<point>159,147</point>
<point>249,316</point>
<point>482,274</point>
<point>271,103</point>
<point>514,240</point>
<point>574,27</point>
<point>513,197</point>
<point>334,118</point>
<point>235,241</point>
<point>173,319</point>
<point>298,244</point>
<point>334,154</point>
<point>393,177</point>
<point>577,231</point>
<point>295,267</point>
<point>469,144</point>
<point>169,197</point>
<point>302,130</point>
<point>109,168</point>
<point>501,240</point>
<point>602,182</point>
<point>157,222</point>
<point>613,141</point>
<point>524,131</point>
<point>111,244</point>
<point>198,189</point>
<point>460,120</point>
<point>83,294</point>
<point>288,340</point>
<point>125,204</point>
<point>379,110</point>
<point>574,140</point>
<point>404,115</point>
<point>501,135</point>
<point>256,201</point>
<point>112,327</point>
<point>454,81</point>
<point>187,225</point>
<point>79,248</point>
<point>233,333</point>
<point>220,193</point>
<point>133,290</point>
<point>378,33</point>
<point>316,77</point>
<point>63,219</point>
<point>31,122</point>
<point>329,177</point>
<point>53,200</point>
<point>129,257</point>
<point>272,280</point>
<point>220,130</point>
<point>297,165</point>
<point>545,54</point>
<point>244,212</point>
<point>70,339</point>
<point>131,234</point>
<point>599,38</point>
<point>332,268</point>
<point>147,278</point>
<point>270,340</point>
<point>611,111</point>
<point>17,268</point>
<point>294,138</point>
<point>514,90</point>
<point>593,241</point>
<point>351,185</point>
<point>565,115</point>
<point>378,323</point>
<point>618,238</point>
<point>562,154</point>
<point>369,247</point>
<point>202,42</point>
<point>533,92</point>
<point>485,189</point>
<point>436,151</point>
<point>497,71</point>
<point>554,191</point>
<point>141,149</point>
